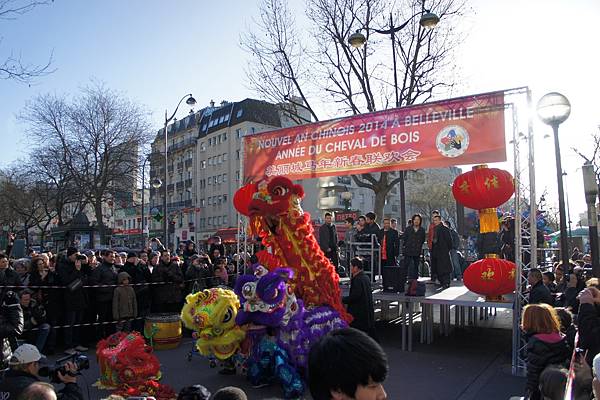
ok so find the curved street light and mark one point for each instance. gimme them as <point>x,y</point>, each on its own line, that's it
<point>190,101</point>
<point>553,109</point>
<point>357,40</point>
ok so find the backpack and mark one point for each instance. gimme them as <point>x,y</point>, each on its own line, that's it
<point>416,288</point>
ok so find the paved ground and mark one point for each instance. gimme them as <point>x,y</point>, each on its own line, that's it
<point>470,364</point>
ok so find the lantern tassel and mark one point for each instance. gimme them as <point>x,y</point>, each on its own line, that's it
<point>488,220</point>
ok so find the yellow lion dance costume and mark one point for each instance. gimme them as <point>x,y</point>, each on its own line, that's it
<point>211,314</point>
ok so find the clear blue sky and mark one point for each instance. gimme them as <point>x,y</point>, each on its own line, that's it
<point>156,51</point>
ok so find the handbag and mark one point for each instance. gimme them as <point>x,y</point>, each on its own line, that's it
<point>75,285</point>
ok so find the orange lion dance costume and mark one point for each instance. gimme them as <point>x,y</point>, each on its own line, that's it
<point>278,219</point>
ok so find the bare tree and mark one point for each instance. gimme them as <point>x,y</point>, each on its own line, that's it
<point>593,158</point>
<point>18,194</point>
<point>354,80</point>
<point>96,136</point>
<point>13,67</point>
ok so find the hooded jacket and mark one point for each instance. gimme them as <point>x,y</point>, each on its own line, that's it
<point>544,349</point>
<point>124,300</point>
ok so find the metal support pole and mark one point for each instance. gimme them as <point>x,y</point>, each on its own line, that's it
<point>590,187</point>
<point>564,240</point>
<point>532,199</point>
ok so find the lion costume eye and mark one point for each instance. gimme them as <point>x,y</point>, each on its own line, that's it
<point>228,315</point>
<point>248,290</point>
<point>280,191</point>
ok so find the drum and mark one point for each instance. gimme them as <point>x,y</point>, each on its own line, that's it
<point>163,331</point>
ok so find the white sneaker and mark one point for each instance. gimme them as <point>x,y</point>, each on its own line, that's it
<point>71,351</point>
<point>81,348</point>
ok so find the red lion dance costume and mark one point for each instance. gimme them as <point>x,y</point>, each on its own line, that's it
<point>278,219</point>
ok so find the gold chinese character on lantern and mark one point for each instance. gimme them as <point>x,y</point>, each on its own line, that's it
<point>464,187</point>
<point>512,273</point>
<point>491,182</point>
<point>488,275</point>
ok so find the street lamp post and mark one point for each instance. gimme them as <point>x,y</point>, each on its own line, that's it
<point>155,183</point>
<point>357,40</point>
<point>590,187</point>
<point>554,109</point>
<point>190,101</point>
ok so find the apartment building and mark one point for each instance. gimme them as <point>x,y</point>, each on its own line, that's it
<point>204,171</point>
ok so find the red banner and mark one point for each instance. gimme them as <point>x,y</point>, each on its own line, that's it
<point>461,131</point>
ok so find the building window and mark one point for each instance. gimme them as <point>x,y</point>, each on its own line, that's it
<point>225,220</point>
<point>221,119</point>
<point>237,176</point>
<point>202,146</point>
<point>210,180</point>
<point>224,198</point>
<point>203,164</point>
<point>202,202</point>
<point>237,154</point>
<point>225,136</point>
<point>239,133</point>
<point>240,112</point>
<point>225,157</point>
<point>226,117</point>
<point>224,177</point>
<point>203,127</point>
<point>209,221</point>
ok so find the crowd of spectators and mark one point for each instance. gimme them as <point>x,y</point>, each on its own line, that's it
<point>74,298</point>
<point>561,324</point>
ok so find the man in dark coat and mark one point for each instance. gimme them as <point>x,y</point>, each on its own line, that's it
<point>74,297</point>
<point>328,239</point>
<point>8,276</point>
<point>104,274</point>
<point>440,251</point>
<point>588,321</point>
<point>413,238</point>
<point>390,244</point>
<point>360,299</point>
<point>139,275</point>
<point>167,296</point>
<point>539,292</point>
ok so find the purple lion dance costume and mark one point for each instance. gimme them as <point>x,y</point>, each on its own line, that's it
<point>280,328</point>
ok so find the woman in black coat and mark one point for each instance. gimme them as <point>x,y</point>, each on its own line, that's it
<point>413,237</point>
<point>43,273</point>
<point>546,345</point>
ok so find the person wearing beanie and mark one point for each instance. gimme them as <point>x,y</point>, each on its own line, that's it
<point>230,393</point>
<point>124,303</point>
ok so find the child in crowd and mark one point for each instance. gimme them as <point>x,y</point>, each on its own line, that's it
<point>124,303</point>
<point>546,344</point>
<point>567,327</point>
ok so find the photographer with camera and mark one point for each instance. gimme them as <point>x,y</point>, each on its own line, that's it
<point>11,325</point>
<point>25,370</point>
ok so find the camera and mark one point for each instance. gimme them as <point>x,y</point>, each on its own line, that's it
<point>81,362</point>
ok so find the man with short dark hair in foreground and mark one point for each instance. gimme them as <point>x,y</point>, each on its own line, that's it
<point>347,364</point>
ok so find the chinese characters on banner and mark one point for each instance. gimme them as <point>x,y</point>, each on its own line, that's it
<point>466,130</point>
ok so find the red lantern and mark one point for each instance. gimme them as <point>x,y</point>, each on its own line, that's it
<point>491,277</point>
<point>242,198</point>
<point>484,189</point>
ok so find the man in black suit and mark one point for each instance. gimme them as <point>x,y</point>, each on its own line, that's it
<point>440,252</point>
<point>390,244</point>
<point>360,299</point>
<point>328,240</point>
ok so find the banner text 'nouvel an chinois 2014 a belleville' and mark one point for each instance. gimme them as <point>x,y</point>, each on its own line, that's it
<point>461,131</point>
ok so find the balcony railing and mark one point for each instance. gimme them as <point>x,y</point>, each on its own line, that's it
<point>188,183</point>
<point>188,163</point>
<point>182,145</point>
